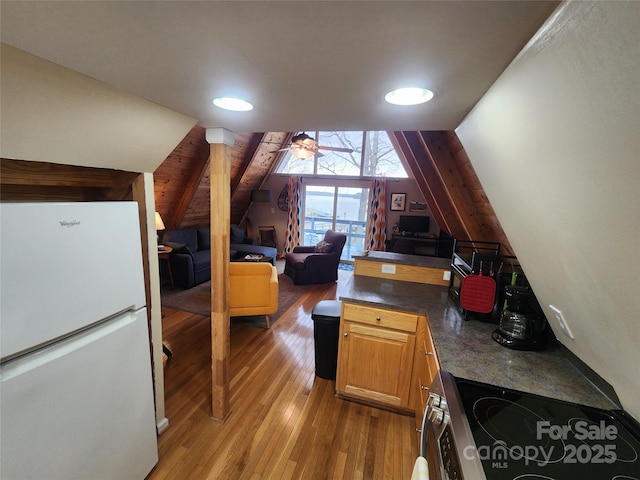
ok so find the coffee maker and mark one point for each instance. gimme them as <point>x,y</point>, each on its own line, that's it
<point>523,325</point>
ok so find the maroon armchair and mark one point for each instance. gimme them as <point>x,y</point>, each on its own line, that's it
<point>310,265</point>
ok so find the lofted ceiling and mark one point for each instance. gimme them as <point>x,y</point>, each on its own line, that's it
<point>305,65</point>
<point>436,160</point>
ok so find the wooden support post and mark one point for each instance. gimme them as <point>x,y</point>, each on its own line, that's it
<point>220,154</point>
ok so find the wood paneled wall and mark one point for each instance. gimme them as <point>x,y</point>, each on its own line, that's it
<point>450,186</point>
<point>182,181</point>
<point>253,158</point>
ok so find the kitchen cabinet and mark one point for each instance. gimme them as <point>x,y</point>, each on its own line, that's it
<point>379,349</point>
<point>425,369</point>
<point>453,339</point>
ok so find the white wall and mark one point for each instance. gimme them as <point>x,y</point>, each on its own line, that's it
<point>556,145</point>
<point>53,114</point>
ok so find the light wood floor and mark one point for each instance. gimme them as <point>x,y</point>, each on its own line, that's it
<point>285,423</point>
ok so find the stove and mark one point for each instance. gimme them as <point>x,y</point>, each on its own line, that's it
<point>475,431</point>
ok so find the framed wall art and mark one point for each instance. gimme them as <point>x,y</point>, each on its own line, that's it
<point>398,202</point>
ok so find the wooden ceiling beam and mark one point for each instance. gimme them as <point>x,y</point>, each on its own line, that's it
<point>21,172</point>
<point>38,181</point>
<point>37,193</point>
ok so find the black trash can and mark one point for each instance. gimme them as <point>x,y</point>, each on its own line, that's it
<point>326,329</point>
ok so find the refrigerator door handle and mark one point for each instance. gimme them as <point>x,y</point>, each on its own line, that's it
<point>47,354</point>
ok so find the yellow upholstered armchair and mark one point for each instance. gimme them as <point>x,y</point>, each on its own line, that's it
<point>253,289</point>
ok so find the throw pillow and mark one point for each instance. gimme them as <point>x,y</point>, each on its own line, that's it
<point>204,239</point>
<point>323,247</point>
<point>237,234</point>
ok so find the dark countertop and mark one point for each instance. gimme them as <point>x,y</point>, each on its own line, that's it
<point>405,259</point>
<point>466,349</point>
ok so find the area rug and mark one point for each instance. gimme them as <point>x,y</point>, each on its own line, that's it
<point>198,300</point>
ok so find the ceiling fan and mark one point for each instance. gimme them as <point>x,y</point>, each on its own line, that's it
<point>304,146</point>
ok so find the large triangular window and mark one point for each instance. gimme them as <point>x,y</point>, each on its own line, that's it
<point>373,155</point>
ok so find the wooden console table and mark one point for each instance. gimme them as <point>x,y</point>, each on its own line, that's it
<point>441,246</point>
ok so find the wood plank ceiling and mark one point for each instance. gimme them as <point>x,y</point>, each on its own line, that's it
<point>450,186</point>
<point>182,180</point>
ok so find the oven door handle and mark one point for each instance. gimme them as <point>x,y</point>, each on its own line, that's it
<point>423,432</point>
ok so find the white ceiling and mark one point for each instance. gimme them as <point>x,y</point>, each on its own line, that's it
<point>305,65</point>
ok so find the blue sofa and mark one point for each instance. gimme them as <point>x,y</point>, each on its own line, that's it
<point>191,256</point>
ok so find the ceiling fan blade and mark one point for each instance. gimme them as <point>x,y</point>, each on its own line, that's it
<point>280,150</point>
<point>336,149</point>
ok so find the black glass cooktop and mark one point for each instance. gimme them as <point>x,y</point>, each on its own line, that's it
<point>529,437</point>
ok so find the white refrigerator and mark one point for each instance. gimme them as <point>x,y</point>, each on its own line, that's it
<point>76,392</point>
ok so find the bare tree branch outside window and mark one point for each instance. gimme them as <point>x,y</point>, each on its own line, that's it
<point>371,150</point>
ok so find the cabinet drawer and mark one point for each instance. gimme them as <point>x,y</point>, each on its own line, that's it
<point>406,322</point>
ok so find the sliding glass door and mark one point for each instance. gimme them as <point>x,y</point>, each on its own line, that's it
<point>339,208</point>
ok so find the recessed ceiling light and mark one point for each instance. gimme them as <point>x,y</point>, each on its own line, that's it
<point>409,96</point>
<point>235,104</point>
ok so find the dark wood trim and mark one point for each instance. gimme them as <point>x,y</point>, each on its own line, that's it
<point>23,180</point>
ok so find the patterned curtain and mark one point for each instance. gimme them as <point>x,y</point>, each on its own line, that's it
<point>376,234</point>
<point>294,205</point>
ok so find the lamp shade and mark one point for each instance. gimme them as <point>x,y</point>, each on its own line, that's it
<point>159,222</point>
<point>263,196</point>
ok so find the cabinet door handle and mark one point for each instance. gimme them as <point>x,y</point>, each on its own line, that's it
<point>346,334</point>
<point>422,387</point>
<point>428,353</point>
<point>378,319</point>
<point>418,430</point>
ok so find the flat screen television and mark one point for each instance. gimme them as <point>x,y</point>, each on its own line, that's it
<point>412,224</point>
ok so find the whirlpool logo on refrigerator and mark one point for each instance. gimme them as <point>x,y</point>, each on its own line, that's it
<point>69,223</point>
